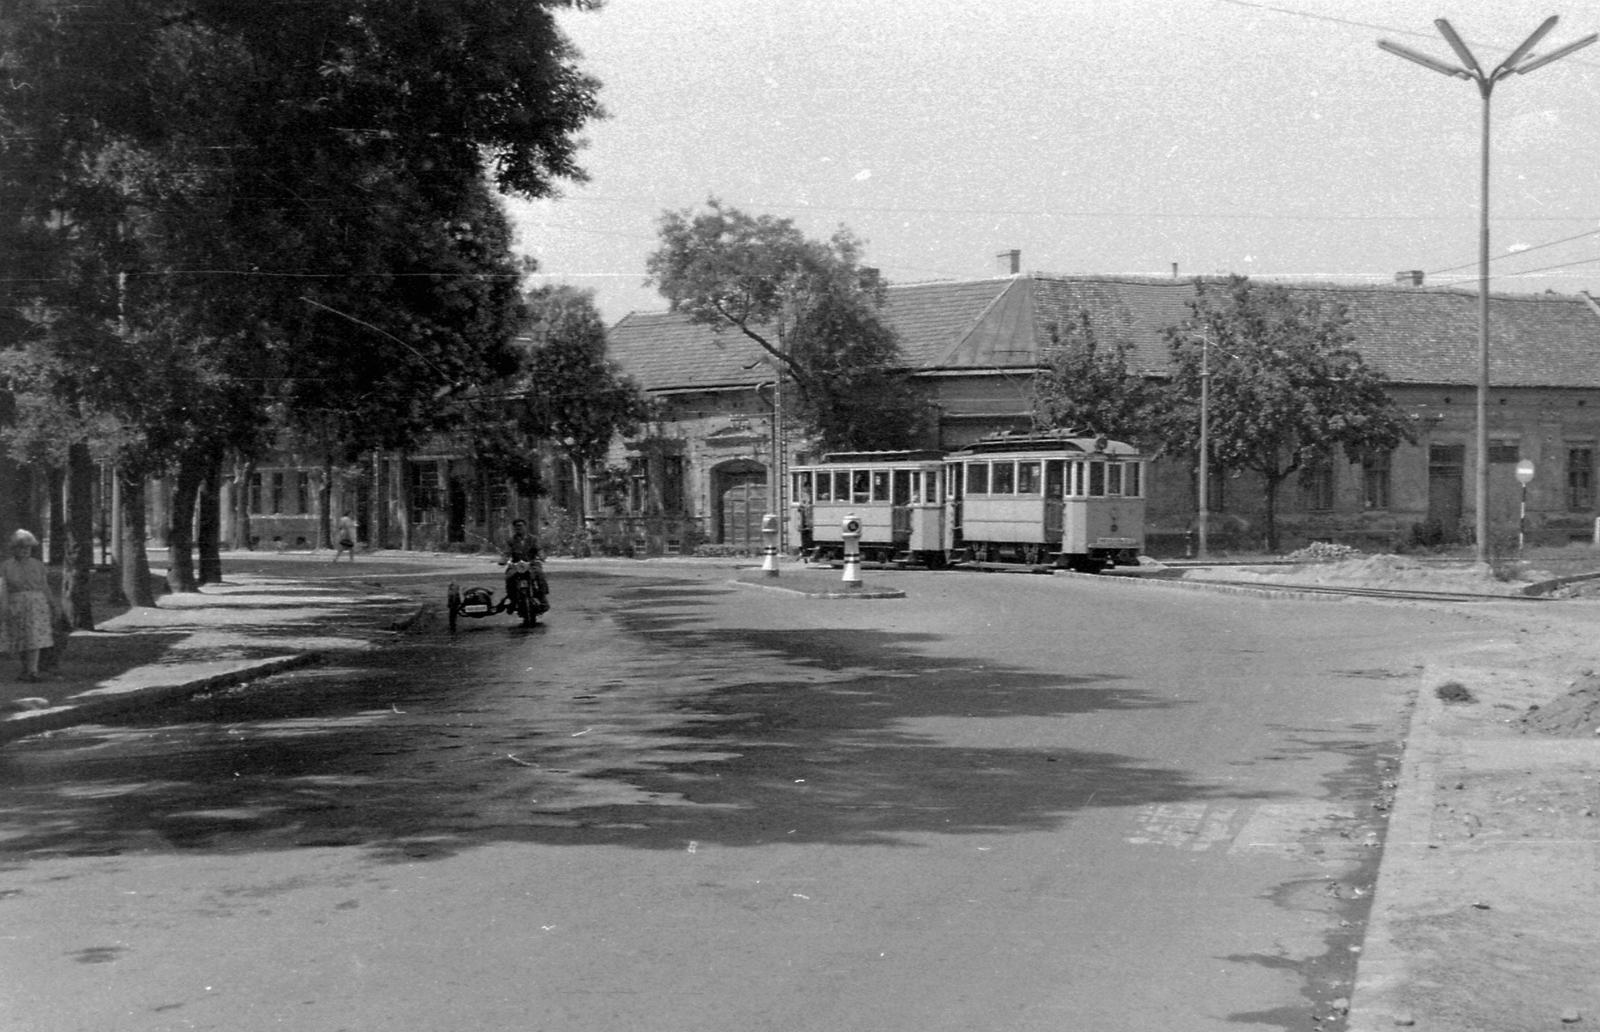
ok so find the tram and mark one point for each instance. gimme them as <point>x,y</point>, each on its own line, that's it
<point>898,497</point>
<point>1062,500</point>
<point>1059,499</point>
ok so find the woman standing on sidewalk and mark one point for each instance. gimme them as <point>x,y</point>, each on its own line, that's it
<point>25,618</point>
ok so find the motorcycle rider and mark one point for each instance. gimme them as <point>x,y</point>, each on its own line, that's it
<point>524,547</point>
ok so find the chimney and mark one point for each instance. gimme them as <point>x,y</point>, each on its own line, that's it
<point>1016,259</point>
<point>1409,278</point>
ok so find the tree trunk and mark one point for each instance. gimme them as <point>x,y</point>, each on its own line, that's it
<point>132,558</point>
<point>1272,511</point>
<point>209,519</point>
<point>55,517</point>
<point>180,532</point>
<point>244,475</point>
<point>402,466</point>
<point>325,503</point>
<point>378,505</point>
<point>75,597</point>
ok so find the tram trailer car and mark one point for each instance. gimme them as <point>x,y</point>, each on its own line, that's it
<point>1066,500</point>
<point>897,496</point>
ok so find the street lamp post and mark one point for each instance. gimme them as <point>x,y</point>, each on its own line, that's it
<point>1203,517</point>
<point>1520,62</point>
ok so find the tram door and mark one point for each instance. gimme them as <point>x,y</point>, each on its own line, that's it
<point>1054,492</point>
<point>744,502</point>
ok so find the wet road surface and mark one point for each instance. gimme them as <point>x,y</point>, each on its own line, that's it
<point>1000,803</point>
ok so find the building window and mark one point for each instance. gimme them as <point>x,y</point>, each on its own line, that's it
<point>1375,480</point>
<point>672,494</point>
<point>1216,488</point>
<point>638,489</point>
<point>424,491</point>
<point>252,502</point>
<point>1504,452</point>
<point>302,493</point>
<point>1316,483</point>
<point>277,493</point>
<point>1580,477</point>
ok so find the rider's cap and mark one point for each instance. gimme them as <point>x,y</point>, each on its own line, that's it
<point>519,523</point>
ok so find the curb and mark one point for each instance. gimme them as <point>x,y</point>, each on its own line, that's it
<point>97,704</point>
<point>1381,969</point>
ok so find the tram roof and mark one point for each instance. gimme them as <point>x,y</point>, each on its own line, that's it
<point>1018,442</point>
<point>922,455</point>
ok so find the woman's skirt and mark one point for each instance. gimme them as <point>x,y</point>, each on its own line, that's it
<point>26,622</point>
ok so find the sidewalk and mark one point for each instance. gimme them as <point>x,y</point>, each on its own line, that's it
<point>1486,914</point>
<point>250,626</point>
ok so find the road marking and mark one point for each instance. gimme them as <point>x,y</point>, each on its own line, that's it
<point>1283,829</point>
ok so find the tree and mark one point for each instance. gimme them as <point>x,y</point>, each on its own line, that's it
<point>232,194</point>
<point>813,309</point>
<point>1285,385</point>
<point>1085,385</point>
<point>574,395</point>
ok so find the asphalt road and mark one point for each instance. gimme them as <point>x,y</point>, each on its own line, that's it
<point>1001,803</point>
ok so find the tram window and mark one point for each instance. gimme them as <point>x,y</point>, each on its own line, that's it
<point>841,485</point>
<point>977,478</point>
<point>1004,478</point>
<point>880,485</point>
<point>860,485</point>
<point>1054,478</point>
<point>1027,478</point>
<point>802,487</point>
<point>824,487</point>
<point>901,493</point>
<point>1114,478</point>
<point>1075,484</point>
<point>953,481</point>
<point>1097,479</point>
<point>1133,488</point>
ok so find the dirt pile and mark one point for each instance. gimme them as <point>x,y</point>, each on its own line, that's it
<point>1380,571</point>
<point>1575,714</point>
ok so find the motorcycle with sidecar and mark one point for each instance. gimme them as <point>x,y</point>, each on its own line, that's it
<point>522,597</point>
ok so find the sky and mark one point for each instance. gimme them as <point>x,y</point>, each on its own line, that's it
<point>1098,137</point>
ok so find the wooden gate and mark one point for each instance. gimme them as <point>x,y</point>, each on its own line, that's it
<point>744,502</point>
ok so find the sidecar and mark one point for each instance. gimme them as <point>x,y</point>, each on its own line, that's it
<point>472,602</point>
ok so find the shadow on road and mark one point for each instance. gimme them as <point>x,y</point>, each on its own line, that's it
<point>673,734</point>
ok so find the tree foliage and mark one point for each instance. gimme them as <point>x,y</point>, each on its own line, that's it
<point>575,396</point>
<point>1286,387</point>
<point>1085,384</point>
<point>273,207</point>
<point>809,305</point>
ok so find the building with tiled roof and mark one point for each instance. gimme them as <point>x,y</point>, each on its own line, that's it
<point>701,472</point>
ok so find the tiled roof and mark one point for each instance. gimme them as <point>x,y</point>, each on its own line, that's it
<point>1414,335</point>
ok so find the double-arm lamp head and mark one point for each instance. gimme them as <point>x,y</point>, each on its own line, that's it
<point>1518,61</point>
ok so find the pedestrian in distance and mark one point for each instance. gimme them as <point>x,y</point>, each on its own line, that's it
<point>345,538</point>
<point>27,614</point>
